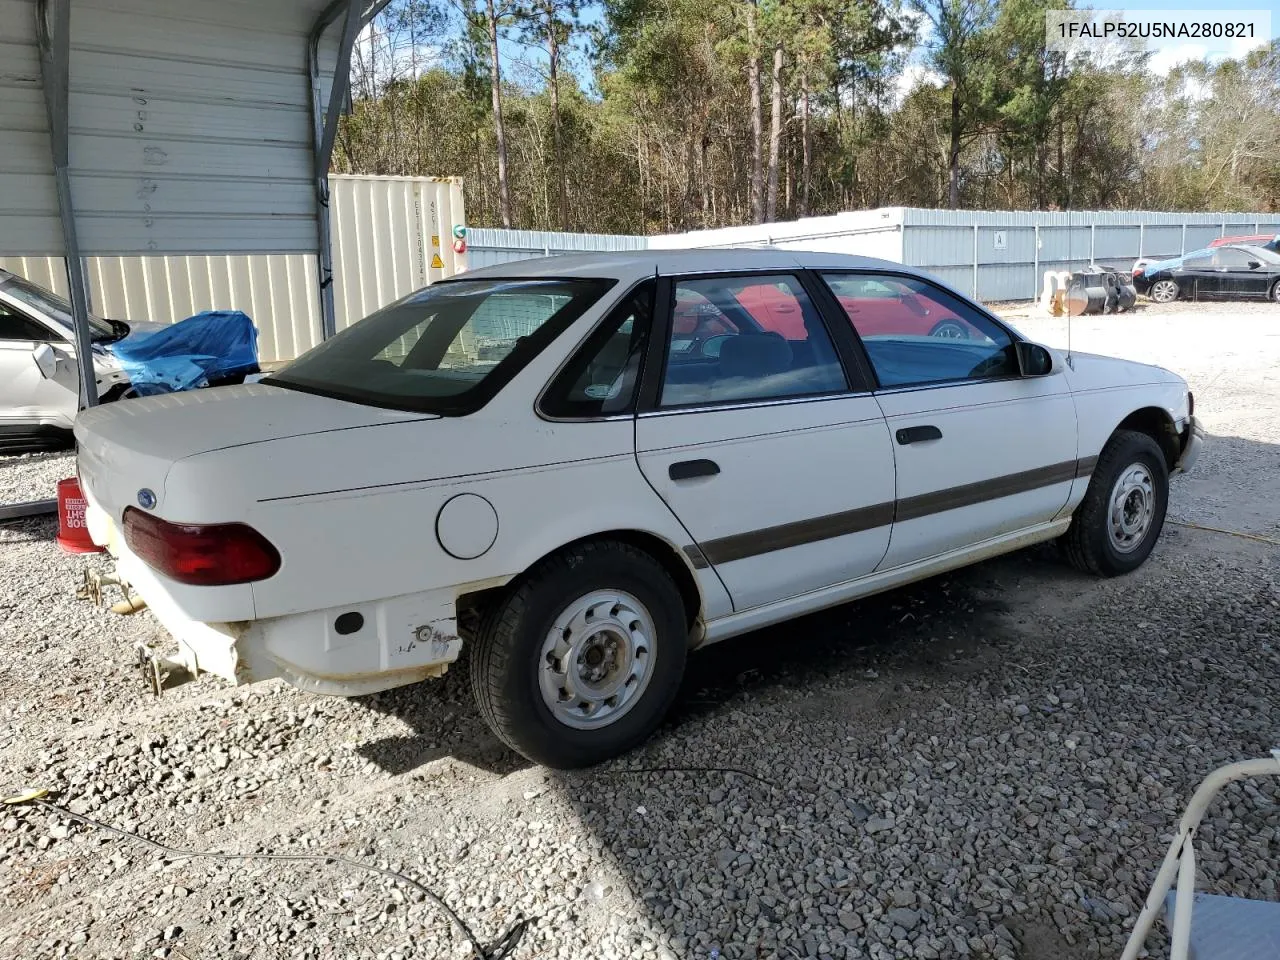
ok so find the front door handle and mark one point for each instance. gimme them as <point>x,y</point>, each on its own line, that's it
<point>917,434</point>
<point>690,469</point>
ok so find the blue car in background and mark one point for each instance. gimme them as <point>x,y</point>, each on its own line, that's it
<point>1230,272</point>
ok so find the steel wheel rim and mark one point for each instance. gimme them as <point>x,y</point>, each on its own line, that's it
<point>597,659</point>
<point>1132,508</point>
<point>950,331</point>
<point>1163,291</point>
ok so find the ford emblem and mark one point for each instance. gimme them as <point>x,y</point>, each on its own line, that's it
<point>146,499</point>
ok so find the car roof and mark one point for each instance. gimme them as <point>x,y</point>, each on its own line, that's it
<point>637,263</point>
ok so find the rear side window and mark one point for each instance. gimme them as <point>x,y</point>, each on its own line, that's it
<point>601,379</point>
<point>744,338</point>
<point>445,349</point>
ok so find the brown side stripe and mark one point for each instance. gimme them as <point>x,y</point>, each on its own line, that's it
<point>696,556</point>
<point>742,545</point>
<point>757,542</point>
<point>913,508</point>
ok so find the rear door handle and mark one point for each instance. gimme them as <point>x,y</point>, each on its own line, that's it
<point>690,469</point>
<point>917,434</point>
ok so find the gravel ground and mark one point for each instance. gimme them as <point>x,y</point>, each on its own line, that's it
<point>33,476</point>
<point>985,765</point>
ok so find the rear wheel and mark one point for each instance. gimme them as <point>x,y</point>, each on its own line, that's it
<point>1116,526</point>
<point>949,330</point>
<point>1164,291</point>
<point>581,659</point>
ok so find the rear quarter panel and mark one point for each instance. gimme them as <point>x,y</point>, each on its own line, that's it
<point>354,514</point>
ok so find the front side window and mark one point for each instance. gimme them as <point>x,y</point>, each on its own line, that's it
<point>53,306</point>
<point>745,338</point>
<point>445,349</point>
<point>1232,258</point>
<point>917,334</point>
<point>15,326</point>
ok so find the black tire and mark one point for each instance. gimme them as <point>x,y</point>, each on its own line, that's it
<point>950,330</point>
<point>1274,295</point>
<point>1088,543</point>
<point>1164,291</point>
<point>507,650</point>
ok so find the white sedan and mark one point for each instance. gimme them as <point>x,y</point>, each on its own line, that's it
<point>581,468</point>
<point>39,381</point>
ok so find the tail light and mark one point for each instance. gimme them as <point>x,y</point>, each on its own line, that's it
<point>206,555</point>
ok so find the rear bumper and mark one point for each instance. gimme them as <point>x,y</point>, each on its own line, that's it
<point>1192,439</point>
<point>382,644</point>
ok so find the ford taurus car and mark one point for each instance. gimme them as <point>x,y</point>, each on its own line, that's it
<point>531,463</point>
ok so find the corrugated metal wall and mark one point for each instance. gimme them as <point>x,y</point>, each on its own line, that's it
<point>870,233</point>
<point>387,231</point>
<point>487,247</point>
<point>190,127</point>
<point>1002,255</point>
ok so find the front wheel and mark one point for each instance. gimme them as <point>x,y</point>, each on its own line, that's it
<point>1116,526</point>
<point>580,661</point>
<point>1275,292</point>
<point>1164,291</point>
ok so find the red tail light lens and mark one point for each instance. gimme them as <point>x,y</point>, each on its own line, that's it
<point>208,555</point>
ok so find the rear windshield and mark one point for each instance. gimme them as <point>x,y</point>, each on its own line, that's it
<point>445,349</point>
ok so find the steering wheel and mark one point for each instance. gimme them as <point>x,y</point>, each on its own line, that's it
<point>989,365</point>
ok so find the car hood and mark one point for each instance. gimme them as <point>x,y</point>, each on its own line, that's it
<point>1091,371</point>
<point>131,444</point>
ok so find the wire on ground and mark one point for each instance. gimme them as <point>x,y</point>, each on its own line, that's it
<point>501,949</point>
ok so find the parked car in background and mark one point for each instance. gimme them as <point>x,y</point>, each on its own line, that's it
<point>1234,272</point>
<point>634,468</point>
<point>39,377</point>
<point>884,304</point>
<point>39,386</point>
<point>1268,241</point>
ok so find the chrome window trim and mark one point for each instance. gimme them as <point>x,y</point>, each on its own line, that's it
<point>754,404</point>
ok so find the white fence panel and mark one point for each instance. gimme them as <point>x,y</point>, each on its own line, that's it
<point>391,235</point>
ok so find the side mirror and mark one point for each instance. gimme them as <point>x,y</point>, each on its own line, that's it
<point>46,360</point>
<point>1254,264</point>
<point>1034,360</point>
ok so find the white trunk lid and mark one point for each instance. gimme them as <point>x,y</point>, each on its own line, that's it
<point>128,446</point>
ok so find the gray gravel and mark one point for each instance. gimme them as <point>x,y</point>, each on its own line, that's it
<point>986,765</point>
<point>33,476</point>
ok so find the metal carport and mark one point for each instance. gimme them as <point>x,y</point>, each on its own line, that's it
<point>135,127</point>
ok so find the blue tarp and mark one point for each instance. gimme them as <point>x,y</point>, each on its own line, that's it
<point>1159,265</point>
<point>190,353</point>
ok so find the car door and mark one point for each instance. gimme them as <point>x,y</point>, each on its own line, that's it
<point>980,451</point>
<point>770,450</point>
<point>1198,278</point>
<point>1240,273</point>
<point>27,397</point>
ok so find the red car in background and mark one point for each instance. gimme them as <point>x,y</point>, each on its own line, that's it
<point>876,307</point>
<point>1267,241</point>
